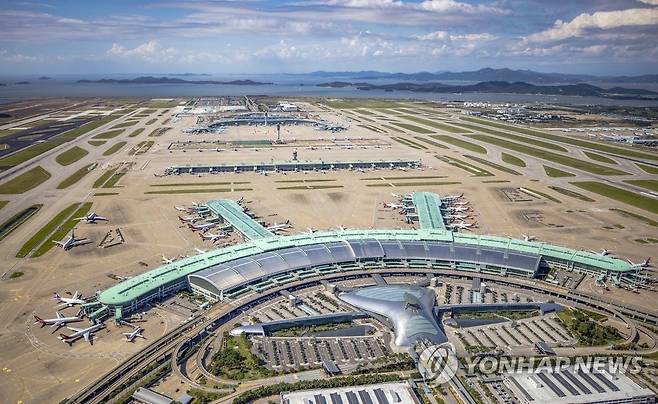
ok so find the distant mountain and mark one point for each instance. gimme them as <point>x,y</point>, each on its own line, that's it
<point>188,74</point>
<point>168,80</point>
<point>22,82</point>
<point>44,78</point>
<point>489,74</point>
<point>507,87</point>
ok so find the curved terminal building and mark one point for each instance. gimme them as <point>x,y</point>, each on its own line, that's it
<point>272,261</point>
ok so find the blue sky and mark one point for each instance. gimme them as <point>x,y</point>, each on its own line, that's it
<point>295,36</point>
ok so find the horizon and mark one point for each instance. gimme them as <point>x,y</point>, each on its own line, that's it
<point>603,38</point>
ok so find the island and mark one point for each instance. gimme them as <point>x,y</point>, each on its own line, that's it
<point>169,80</point>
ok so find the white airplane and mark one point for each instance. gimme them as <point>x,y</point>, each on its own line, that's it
<point>166,260</point>
<point>604,252</point>
<point>456,217</point>
<point>71,241</point>
<point>92,218</point>
<point>69,301</point>
<point>456,209</point>
<point>181,208</point>
<point>212,237</point>
<point>85,333</point>
<point>642,264</point>
<point>201,227</point>
<point>460,226</point>
<point>130,336</point>
<point>528,238</point>
<point>55,322</point>
<point>279,226</point>
<point>451,197</point>
<point>189,219</point>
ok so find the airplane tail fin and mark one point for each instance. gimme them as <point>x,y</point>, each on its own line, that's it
<point>56,296</point>
<point>288,221</point>
<point>65,338</point>
<point>39,320</point>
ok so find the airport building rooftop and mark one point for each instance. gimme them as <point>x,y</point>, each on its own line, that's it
<point>233,213</point>
<point>428,208</point>
<point>396,392</point>
<point>291,165</point>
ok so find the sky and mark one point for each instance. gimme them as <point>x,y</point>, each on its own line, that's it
<point>605,37</point>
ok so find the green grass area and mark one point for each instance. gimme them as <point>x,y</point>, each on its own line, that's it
<point>412,184</point>
<point>7,132</point>
<point>70,156</point>
<point>635,216</point>
<point>109,178</point>
<point>18,219</point>
<point>557,173</point>
<point>493,165</point>
<point>409,143</point>
<point>571,193</point>
<point>599,157</point>
<point>105,193</point>
<point>76,176</point>
<point>196,184</point>
<point>42,147</point>
<point>435,124</point>
<point>510,159</point>
<point>96,142</point>
<point>646,240</point>
<point>108,135</point>
<point>621,195</point>
<point>569,140</point>
<point>142,147</point>
<point>412,128</point>
<point>305,187</point>
<point>235,360</point>
<point>3,204</point>
<point>136,132</point>
<point>151,121</point>
<point>63,230</point>
<point>416,177</point>
<point>647,168</point>
<point>651,185</point>
<point>495,181</point>
<point>585,325</point>
<point>364,111</point>
<point>16,275</point>
<point>475,148</point>
<point>307,180</point>
<point>550,156</point>
<point>40,236</point>
<point>26,181</point>
<point>124,124</point>
<point>351,103</point>
<point>196,191</point>
<point>114,148</point>
<point>372,128</point>
<point>473,169</point>
<point>522,139</point>
<point>543,195</point>
<point>393,128</point>
<point>431,142</point>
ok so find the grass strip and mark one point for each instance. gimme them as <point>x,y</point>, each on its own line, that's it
<point>40,236</point>
<point>651,185</point>
<point>599,157</point>
<point>18,219</point>
<point>136,132</point>
<point>571,193</point>
<point>62,230</point>
<point>431,142</point>
<point>97,142</point>
<point>543,195</point>
<point>109,178</point>
<point>141,147</point>
<point>114,148</point>
<point>493,165</point>
<point>418,177</point>
<point>522,139</point>
<point>124,124</point>
<point>550,156</point>
<point>26,181</point>
<point>569,140</point>
<point>305,180</point>
<point>475,170</point>
<point>409,143</point>
<point>70,156</point>
<point>196,191</point>
<point>620,195</point>
<point>3,204</point>
<point>647,168</point>
<point>393,128</point>
<point>413,184</point>
<point>494,181</point>
<point>412,128</point>
<point>76,176</point>
<point>434,124</point>
<point>151,121</point>
<point>510,159</point>
<point>475,148</point>
<point>557,173</point>
<point>641,218</point>
<point>108,135</point>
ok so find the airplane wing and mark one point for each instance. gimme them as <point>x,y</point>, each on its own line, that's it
<point>59,243</point>
<point>74,329</point>
<point>59,315</point>
<point>87,335</point>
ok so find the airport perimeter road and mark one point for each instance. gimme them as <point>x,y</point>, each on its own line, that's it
<point>163,349</point>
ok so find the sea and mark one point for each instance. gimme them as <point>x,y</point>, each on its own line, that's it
<point>283,85</point>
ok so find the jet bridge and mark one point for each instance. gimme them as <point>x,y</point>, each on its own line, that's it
<point>233,213</point>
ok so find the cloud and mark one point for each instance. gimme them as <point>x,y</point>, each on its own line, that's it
<point>18,58</point>
<point>444,36</point>
<point>150,51</point>
<point>600,20</point>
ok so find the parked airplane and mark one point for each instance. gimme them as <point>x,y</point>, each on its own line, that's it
<point>85,333</point>
<point>451,197</point>
<point>181,208</point>
<point>213,237</point>
<point>59,321</point>
<point>642,264</point>
<point>72,241</point>
<point>201,227</point>
<point>456,217</point>
<point>92,218</point>
<point>69,301</point>
<point>460,226</point>
<point>528,238</point>
<point>279,226</point>
<point>456,209</point>
<point>189,219</point>
<point>130,336</point>
<point>166,260</point>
